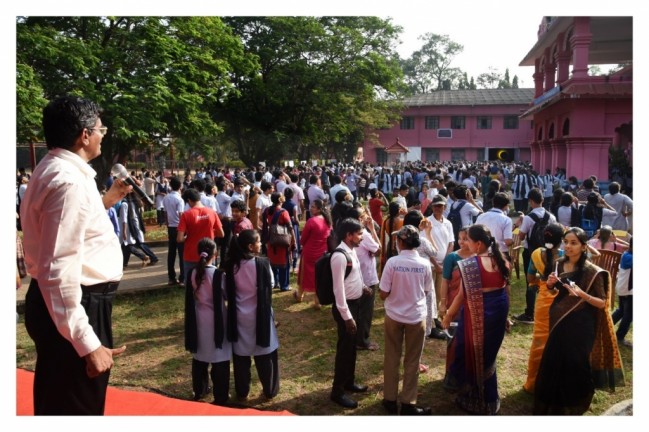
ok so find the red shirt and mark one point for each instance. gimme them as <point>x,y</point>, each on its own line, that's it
<point>197,223</point>
<point>244,224</point>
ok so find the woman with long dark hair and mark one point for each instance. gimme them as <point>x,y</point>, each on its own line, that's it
<point>279,256</point>
<point>392,223</point>
<point>542,262</point>
<point>482,304</point>
<point>314,244</point>
<point>205,327</point>
<point>493,189</point>
<point>248,282</point>
<point>581,352</point>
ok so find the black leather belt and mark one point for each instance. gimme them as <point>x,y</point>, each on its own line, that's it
<point>102,288</point>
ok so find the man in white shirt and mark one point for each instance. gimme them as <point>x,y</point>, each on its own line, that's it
<point>149,188</point>
<point>73,256</point>
<point>281,182</point>
<point>264,201</point>
<point>443,239</point>
<point>369,248</point>
<point>298,195</point>
<point>347,291</point>
<point>622,204</point>
<point>499,223</point>
<point>470,210</point>
<point>337,186</point>
<point>174,207</point>
<point>535,198</point>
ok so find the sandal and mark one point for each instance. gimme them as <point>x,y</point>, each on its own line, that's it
<point>297,297</point>
<point>423,368</point>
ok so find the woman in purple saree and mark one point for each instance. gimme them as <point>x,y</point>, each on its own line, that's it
<point>483,305</point>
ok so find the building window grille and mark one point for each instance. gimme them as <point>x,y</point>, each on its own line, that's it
<point>484,122</point>
<point>458,122</point>
<point>510,122</point>
<point>432,122</point>
<point>407,123</point>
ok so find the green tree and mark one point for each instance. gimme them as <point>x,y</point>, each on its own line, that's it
<point>321,83</point>
<point>428,68</point>
<point>505,83</point>
<point>152,75</point>
<point>515,82</point>
<point>489,80</point>
<point>29,105</point>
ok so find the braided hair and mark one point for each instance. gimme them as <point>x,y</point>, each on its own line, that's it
<point>206,250</point>
<point>552,235</point>
<point>479,232</point>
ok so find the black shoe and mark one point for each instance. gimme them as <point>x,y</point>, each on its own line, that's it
<point>524,318</point>
<point>390,406</point>
<point>356,388</point>
<point>173,282</point>
<point>344,401</point>
<point>437,333</point>
<point>413,410</point>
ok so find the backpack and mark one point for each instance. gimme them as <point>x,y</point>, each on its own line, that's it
<point>279,235</point>
<point>589,225</point>
<point>324,282</point>
<point>456,220</point>
<point>536,238</point>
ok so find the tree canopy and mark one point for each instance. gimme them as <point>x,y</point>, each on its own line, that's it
<point>269,87</point>
<point>153,76</point>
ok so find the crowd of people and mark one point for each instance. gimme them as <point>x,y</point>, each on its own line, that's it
<point>432,238</point>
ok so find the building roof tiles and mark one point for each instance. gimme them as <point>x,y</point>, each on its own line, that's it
<point>472,97</point>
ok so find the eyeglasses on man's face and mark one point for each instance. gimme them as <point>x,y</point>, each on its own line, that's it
<point>102,130</point>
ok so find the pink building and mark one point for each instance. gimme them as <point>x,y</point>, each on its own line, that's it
<point>578,116</point>
<point>457,125</point>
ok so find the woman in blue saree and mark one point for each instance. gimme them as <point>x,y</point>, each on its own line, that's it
<point>482,305</point>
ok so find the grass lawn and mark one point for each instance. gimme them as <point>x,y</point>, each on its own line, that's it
<point>150,324</point>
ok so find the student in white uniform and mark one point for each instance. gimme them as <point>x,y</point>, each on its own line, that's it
<point>405,281</point>
<point>205,328</point>
<point>248,281</point>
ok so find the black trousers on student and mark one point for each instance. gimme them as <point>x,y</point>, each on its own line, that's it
<point>345,363</point>
<point>220,374</point>
<point>61,384</point>
<point>365,315</point>
<point>267,366</point>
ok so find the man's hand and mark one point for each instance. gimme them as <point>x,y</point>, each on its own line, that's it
<point>101,360</point>
<point>116,193</point>
<point>350,326</point>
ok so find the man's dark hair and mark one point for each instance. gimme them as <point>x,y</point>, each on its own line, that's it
<point>191,195</point>
<point>613,188</point>
<point>199,185</point>
<point>460,192</point>
<point>175,183</point>
<point>239,205</point>
<point>220,183</point>
<point>66,117</point>
<point>500,200</point>
<point>348,226</point>
<point>336,180</point>
<point>313,179</point>
<point>265,186</point>
<point>535,195</point>
<point>588,183</point>
<point>258,175</point>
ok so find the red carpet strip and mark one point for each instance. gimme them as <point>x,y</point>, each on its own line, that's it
<point>134,403</point>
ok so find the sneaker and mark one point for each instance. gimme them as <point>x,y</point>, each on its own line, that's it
<point>524,318</point>
<point>173,282</point>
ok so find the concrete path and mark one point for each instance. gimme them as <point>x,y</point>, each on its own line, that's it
<point>135,277</point>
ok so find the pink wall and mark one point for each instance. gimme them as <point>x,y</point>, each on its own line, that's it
<point>471,138</point>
